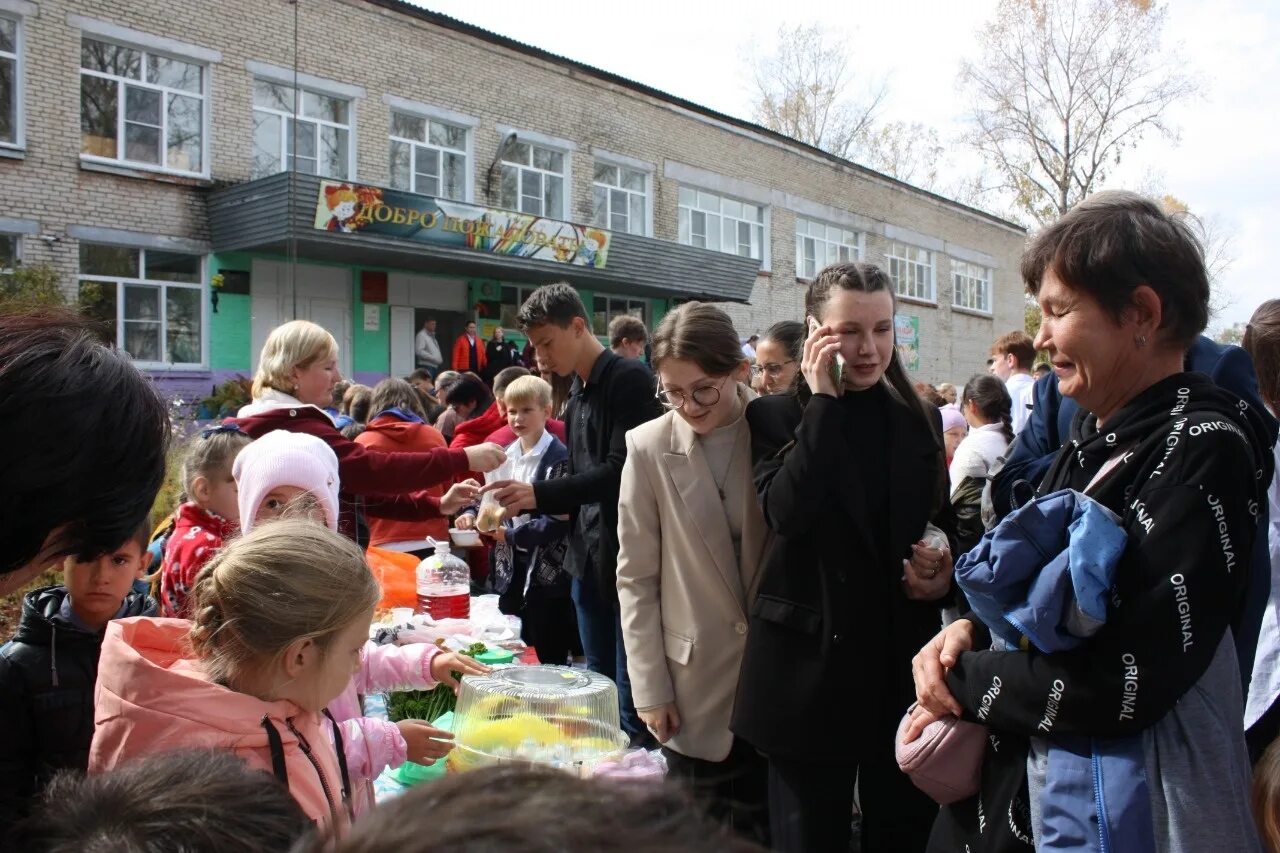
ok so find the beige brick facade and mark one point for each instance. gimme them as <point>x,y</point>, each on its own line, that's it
<point>390,51</point>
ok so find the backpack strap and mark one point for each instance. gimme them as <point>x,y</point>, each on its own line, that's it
<point>277,751</point>
<point>342,763</point>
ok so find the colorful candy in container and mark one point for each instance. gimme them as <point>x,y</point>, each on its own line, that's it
<point>444,585</point>
<point>551,715</point>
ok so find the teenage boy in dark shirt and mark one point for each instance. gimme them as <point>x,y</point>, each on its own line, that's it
<point>611,395</point>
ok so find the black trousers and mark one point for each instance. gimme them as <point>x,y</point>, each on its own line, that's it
<point>811,806</point>
<point>734,791</point>
<point>548,619</point>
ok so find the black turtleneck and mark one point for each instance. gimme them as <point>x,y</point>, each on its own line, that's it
<point>867,414</point>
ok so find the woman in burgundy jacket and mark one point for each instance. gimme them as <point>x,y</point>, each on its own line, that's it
<point>295,378</point>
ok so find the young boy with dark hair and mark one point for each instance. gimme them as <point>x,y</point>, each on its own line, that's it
<point>611,395</point>
<point>47,672</point>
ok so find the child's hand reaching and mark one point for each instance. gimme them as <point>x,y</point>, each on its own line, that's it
<point>459,496</point>
<point>444,665</point>
<point>465,522</point>
<point>426,742</point>
<point>497,535</point>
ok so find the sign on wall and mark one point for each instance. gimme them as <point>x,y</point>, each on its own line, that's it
<point>906,327</point>
<point>360,209</point>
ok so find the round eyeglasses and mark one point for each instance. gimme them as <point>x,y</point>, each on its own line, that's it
<point>706,396</point>
<point>773,369</point>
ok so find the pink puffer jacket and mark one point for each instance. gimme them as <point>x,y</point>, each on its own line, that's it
<point>372,745</point>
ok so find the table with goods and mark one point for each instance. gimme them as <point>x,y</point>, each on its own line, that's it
<point>521,712</point>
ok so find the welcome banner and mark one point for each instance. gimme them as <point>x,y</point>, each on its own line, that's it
<point>348,208</point>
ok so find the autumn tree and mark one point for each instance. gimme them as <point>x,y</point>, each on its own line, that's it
<point>1063,89</point>
<point>803,89</point>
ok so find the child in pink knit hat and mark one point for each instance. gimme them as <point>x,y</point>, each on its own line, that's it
<point>292,473</point>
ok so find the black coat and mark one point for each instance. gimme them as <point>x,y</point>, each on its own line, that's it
<point>47,677</point>
<point>498,356</point>
<point>828,657</point>
<point>618,396</point>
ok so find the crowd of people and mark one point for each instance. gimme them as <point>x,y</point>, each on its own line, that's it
<point>803,571</point>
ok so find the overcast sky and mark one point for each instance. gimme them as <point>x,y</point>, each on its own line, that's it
<point>1226,164</point>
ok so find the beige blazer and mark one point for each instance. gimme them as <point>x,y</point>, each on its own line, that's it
<point>684,598</point>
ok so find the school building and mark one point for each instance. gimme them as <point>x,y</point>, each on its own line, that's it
<point>199,172</point>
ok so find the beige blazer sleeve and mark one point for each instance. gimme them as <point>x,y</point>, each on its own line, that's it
<point>639,570</point>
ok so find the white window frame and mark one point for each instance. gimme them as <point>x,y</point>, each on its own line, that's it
<point>685,212</point>
<point>899,255</point>
<point>523,292</point>
<point>619,161</point>
<point>566,192</point>
<point>964,275</point>
<point>122,281</point>
<point>439,150</point>
<point>17,252</point>
<point>432,112</point>
<point>286,133</point>
<point>122,160</point>
<point>611,310</point>
<point>857,248</point>
<point>17,11</point>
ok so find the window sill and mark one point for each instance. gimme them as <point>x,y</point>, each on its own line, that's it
<point>972,312</point>
<point>912,300</point>
<point>144,174</point>
<point>13,153</point>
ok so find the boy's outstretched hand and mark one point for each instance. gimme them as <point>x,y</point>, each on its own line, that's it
<point>515,497</point>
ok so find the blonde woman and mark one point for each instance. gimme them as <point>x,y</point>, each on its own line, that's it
<point>691,536</point>
<point>295,379</point>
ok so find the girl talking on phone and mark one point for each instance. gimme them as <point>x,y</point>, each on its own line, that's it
<point>848,471</point>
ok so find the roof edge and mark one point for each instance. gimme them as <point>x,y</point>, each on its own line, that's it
<point>448,22</point>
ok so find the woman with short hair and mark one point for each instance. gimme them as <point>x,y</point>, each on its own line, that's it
<point>1183,465</point>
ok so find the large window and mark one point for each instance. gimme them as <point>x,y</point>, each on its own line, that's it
<point>911,269</point>
<point>709,221</point>
<point>819,245</point>
<point>428,156</point>
<point>323,130</point>
<point>605,308</point>
<point>10,81</point>
<point>971,286</point>
<point>10,252</point>
<point>621,199</point>
<point>141,108</point>
<point>533,180</point>
<point>149,301</point>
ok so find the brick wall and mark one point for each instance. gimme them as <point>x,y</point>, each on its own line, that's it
<point>387,52</point>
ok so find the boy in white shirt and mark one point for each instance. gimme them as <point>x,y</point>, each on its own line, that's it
<point>528,551</point>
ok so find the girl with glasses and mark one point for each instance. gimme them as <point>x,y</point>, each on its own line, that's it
<point>777,364</point>
<point>691,537</point>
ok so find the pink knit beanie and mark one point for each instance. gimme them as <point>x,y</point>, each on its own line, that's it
<point>282,458</point>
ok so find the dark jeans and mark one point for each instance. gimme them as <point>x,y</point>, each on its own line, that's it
<point>811,806</point>
<point>600,627</point>
<point>735,791</point>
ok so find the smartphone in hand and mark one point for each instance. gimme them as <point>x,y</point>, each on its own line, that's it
<point>837,363</point>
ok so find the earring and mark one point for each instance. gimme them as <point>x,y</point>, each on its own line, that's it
<point>1141,341</point>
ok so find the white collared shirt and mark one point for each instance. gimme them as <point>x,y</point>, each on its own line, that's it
<point>521,466</point>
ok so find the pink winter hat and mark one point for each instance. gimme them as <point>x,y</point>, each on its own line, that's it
<point>282,458</point>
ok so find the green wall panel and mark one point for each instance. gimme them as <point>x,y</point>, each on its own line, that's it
<point>230,332</point>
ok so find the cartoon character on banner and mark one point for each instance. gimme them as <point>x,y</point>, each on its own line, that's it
<point>344,205</point>
<point>589,247</point>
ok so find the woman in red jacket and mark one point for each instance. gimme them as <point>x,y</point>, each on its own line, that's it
<point>296,374</point>
<point>399,424</point>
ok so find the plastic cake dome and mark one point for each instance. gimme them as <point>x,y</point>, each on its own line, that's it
<point>551,715</point>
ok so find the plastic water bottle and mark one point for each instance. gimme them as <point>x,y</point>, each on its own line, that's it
<point>444,585</point>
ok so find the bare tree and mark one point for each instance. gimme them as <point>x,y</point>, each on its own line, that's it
<point>909,152</point>
<point>1063,88</point>
<point>1217,239</point>
<point>801,90</point>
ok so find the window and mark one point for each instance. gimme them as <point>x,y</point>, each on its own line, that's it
<point>428,156</point>
<point>321,123</point>
<point>140,108</point>
<point>149,301</point>
<point>819,245</point>
<point>971,286</point>
<point>533,180</point>
<point>10,82</point>
<point>605,308</point>
<point>621,199</point>
<point>513,297</point>
<point>10,252</point>
<point>709,221</point>
<point>911,270</point>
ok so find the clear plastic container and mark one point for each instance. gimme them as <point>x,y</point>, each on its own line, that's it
<point>549,715</point>
<point>444,585</point>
